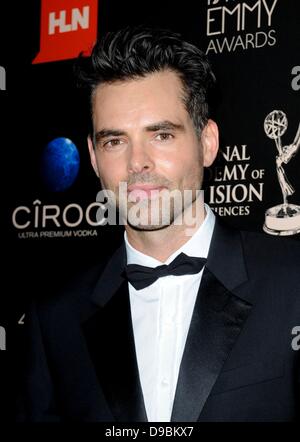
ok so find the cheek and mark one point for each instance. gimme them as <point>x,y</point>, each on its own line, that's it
<point>182,168</point>
<point>110,172</point>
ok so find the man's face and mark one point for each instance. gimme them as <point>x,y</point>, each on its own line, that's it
<point>144,136</point>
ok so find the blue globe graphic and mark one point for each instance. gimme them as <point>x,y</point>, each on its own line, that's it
<point>60,164</point>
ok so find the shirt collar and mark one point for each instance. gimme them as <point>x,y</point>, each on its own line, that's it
<point>197,245</point>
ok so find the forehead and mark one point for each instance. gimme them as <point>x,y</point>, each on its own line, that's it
<point>157,96</point>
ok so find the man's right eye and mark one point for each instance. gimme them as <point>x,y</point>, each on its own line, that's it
<point>112,143</point>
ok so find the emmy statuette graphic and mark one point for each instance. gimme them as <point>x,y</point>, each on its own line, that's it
<point>283,219</point>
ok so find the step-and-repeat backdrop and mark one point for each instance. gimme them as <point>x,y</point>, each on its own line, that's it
<point>51,231</point>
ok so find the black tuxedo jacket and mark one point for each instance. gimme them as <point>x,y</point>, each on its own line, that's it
<point>238,363</point>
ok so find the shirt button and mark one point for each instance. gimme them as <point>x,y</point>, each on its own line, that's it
<point>165,382</point>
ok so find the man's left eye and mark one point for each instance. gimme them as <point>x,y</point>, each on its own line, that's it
<point>164,136</point>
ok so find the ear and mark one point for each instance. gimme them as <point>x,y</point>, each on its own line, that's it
<point>210,142</point>
<point>93,155</point>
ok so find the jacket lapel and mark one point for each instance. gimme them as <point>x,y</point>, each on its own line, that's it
<point>219,315</point>
<point>110,340</point>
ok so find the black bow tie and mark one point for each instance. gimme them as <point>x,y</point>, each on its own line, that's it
<point>142,276</point>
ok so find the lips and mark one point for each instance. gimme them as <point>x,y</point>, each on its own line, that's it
<point>143,191</point>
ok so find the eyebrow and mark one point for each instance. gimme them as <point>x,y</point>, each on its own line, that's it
<point>161,125</point>
<point>164,125</point>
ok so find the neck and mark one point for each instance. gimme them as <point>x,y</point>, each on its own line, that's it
<point>161,243</point>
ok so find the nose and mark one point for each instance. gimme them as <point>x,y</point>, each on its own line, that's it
<point>139,159</point>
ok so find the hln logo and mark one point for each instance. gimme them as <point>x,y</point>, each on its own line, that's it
<point>58,22</point>
<point>2,338</point>
<point>2,79</point>
<point>67,29</point>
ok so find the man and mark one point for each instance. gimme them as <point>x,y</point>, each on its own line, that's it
<point>206,335</point>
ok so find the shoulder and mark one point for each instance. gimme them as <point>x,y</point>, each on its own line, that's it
<point>73,299</point>
<point>283,252</point>
<point>271,262</point>
<point>272,265</point>
<point>257,248</point>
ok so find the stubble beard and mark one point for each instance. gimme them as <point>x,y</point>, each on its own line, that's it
<point>164,210</point>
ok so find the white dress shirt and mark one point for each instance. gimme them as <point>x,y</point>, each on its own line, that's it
<point>161,315</point>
